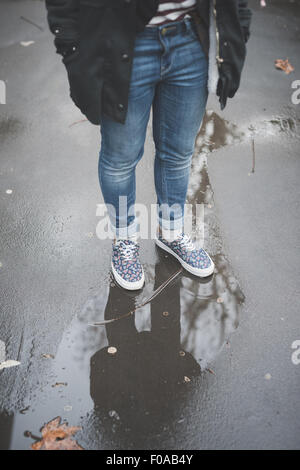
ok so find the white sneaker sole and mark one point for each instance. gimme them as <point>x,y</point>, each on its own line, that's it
<point>127,284</point>
<point>196,271</point>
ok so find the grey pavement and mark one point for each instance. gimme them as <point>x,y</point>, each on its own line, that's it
<point>216,370</point>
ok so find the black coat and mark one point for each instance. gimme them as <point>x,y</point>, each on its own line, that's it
<point>96,39</point>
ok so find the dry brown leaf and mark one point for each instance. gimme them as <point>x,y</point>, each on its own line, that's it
<point>9,363</point>
<point>284,65</point>
<point>60,384</point>
<point>56,436</point>
<point>112,350</point>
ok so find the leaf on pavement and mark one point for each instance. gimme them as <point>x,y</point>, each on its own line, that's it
<point>26,43</point>
<point>60,384</point>
<point>56,436</point>
<point>284,65</point>
<point>48,356</point>
<point>112,350</point>
<point>9,363</point>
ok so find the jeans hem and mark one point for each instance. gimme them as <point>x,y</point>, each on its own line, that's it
<point>125,232</point>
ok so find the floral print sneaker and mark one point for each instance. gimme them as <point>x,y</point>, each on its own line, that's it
<point>125,264</point>
<point>194,260</point>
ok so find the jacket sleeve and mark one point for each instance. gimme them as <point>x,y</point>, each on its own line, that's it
<point>245,15</point>
<point>63,23</point>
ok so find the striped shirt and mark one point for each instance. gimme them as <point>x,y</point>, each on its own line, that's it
<point>171,11</point>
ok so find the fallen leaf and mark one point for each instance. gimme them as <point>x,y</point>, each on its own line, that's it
<point>48,356</point>
<point>56,436</point>
<point>114,414</point>
<point>26,43</point>
<point>284,65</point>
<point>9,363</point>
<point>24,410</point>
<point>68,408</point>
<point>59,384</point>
<point>211,371</point>
<point>112,350</point>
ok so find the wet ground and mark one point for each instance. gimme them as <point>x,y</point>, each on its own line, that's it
<point>200,364</point>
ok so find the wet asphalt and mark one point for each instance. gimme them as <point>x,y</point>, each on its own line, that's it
<point>207,364</point>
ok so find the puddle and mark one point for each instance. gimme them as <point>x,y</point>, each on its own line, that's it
<point>10,127</point>
<point>217,132</point>
<point>130,379</point>
<point>286,125</point>
<point>117,378</point>
<point>6,424</point>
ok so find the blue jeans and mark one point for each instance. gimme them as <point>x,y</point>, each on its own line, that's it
<point>169,73</point>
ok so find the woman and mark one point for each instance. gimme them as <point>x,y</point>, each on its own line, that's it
<point>124,57</point>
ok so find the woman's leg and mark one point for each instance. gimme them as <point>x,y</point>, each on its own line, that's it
<point>121,148</point>
<point>122,145</point>
<point>178,110</point>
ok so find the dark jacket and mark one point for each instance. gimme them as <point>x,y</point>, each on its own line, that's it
<point>96,39</point>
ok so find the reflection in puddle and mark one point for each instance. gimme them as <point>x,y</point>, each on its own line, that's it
<point>6,424</point>
<point>130,379</point>
<point>142,367</point>
<point>217,132</point>
<point>10,127</point>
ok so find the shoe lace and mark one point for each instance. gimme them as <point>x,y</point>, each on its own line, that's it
<point>186,242</point>
<point>127,251</point>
